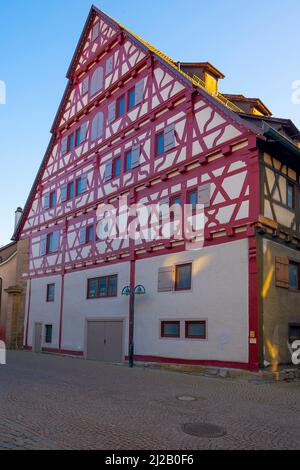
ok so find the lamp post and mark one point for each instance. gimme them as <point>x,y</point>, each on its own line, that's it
<point>138,290</point>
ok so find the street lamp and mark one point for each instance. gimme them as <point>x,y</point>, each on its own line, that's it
<point>138,290</point>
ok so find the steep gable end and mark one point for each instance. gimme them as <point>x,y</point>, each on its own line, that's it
<point>89,122</point>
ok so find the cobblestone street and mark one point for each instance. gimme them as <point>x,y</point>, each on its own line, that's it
<point>48,402</point>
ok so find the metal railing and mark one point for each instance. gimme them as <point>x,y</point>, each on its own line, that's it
<point>195,79</point>
<point>198,82</point>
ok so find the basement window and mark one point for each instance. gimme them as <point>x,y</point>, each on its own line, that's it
<point>170,329</point>
<point>195,330</point>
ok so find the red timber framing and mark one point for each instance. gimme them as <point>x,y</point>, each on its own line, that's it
<point>211,145</point>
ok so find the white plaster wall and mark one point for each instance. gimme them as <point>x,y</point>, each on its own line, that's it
<point>42,311</point>
<point>219,295</point>
<point>77,308</point>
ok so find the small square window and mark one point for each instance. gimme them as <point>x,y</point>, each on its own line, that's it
<point>294,275</point>
<point>160,144</point>
<point>195,329</point>
<point>120,106</point>
<point>50,292</point>
<point>170,329</point>
<point>48,334</point>
<point>183,277</point>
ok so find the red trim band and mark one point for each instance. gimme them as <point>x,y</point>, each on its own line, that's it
<point>168,360</point>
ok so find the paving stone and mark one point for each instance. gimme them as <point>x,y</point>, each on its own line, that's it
<point>50,402</point>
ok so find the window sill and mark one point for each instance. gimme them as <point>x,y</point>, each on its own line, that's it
<point>203,340</point>
<point>103,298</point>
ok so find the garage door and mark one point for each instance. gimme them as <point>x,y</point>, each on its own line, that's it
<point>105,341</point>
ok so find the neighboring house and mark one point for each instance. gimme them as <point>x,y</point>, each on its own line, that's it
<point>136,124</point>
<point>13,262</point>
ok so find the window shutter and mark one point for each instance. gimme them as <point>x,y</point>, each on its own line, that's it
<point>94,128</point>
<point>83,132</point>
<point>111,112</point>
<point>282,272</point>
<point>97,81</point>
<point>55,242</point>
<point>43,245</point>
<point>96,30</point>
<point>136,155</point>
<point>164,206</point>
<point>108,171</point>
<point>166,279</point>
<point>82,236</point>
<point>97,127</point>
<point>64,145</point>
<point>109,65</point>
<point>85,86</point>
<point>139,92</point>
<point>84,183</point>
<point>169,137</point>
<point>204,195</point>
<point>47,201</point>
<point>64,193</point>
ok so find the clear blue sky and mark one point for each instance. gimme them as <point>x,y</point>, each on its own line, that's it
<point>255,43</point>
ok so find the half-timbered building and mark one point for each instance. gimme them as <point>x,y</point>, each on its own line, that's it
<point>137,126</point>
